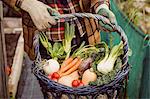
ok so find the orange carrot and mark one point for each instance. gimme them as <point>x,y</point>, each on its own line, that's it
<point>68,66</point>
<point>66,62</point>
<point>74,68</point>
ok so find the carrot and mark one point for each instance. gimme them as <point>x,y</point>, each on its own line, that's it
<point>66,62</point>
<point>75,67</point>
<point>68,66</point>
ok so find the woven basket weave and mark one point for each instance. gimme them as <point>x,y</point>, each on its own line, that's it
<point>91,92</point>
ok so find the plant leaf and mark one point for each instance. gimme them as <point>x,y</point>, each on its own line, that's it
<point>56,47</point>
<point>60,51</point>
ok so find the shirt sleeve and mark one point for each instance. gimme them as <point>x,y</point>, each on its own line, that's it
<point>10,3</point>
<point>86,5</point>
<point>97,3</point>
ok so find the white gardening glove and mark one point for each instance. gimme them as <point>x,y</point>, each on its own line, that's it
<point>39,13</point>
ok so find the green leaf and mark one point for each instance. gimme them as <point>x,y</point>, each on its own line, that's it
<point>60,51</point>
<point>50,48</point>
<point>56,47</point>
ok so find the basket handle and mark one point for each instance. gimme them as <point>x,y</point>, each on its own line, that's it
<point>104,20</point>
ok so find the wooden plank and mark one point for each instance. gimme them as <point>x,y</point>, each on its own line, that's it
<point>16,67</point>
<point>12,25</point>
<point>3,76</point>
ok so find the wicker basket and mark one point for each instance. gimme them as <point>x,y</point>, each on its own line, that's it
<point>91,92</point>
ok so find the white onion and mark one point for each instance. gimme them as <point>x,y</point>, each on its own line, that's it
<point>51,66</point>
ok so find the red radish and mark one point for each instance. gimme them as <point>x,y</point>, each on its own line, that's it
<point>79,81</point>
<point>55,75</point>
<point>81,84</point>
<point>49,76</point>
<point>75,83</point>
<point>54,79</point>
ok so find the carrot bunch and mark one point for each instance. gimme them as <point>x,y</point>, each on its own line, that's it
<point>69,65</point>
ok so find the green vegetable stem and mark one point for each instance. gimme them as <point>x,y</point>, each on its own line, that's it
<point>69,34</point>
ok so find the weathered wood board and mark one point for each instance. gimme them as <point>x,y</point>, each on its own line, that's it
<point>13,26</point>
<point>3,76</point>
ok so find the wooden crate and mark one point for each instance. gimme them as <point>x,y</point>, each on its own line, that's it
<point>3,62</point>
<point>14,26</point>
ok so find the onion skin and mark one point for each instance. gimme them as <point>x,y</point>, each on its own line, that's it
<point>51,66</point>
<point>88,76</point>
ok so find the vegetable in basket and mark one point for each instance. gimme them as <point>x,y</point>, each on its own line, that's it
<point>106,78</point>
<point>56,51</point>
<point>77,83</point>
<point>84,51</point>
<point>69,34</point>
<point>54,76</point>
<point>71,67</point>
<point>106,65</point>
<point>88,76</point>
<point>51,66</point>
<point>74,61</point>
<point>68,79</point>
<point>86,64</point>
<point>93,56</point>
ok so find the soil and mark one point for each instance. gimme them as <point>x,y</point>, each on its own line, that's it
<point>11,41</point>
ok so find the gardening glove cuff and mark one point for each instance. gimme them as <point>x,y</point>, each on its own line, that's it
<point>103,10</point>
<point>39,13</point>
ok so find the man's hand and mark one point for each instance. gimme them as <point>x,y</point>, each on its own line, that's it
<point>104,11</point>
<point>39,13</point>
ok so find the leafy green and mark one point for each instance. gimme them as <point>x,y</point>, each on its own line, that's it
<point>84,51</point>
<point>56,51</point>
<point>103,52</point>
